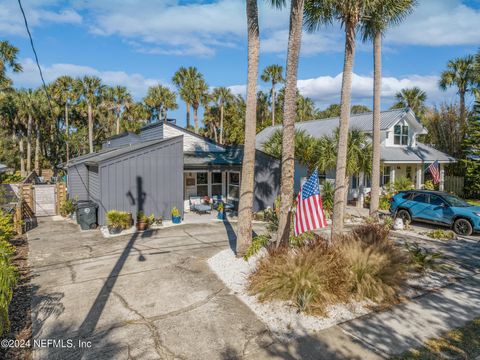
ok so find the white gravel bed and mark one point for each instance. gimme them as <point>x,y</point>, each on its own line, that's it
<point>280,317</point>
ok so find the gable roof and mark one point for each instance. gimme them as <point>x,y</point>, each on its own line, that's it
<point>326,127</point>
<point>420,153</point>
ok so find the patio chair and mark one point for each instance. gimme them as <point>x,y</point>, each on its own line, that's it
<point>197,205</point>
<point>226,205</point>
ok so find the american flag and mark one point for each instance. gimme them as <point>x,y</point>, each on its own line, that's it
<point>309,214</point>
<point>434,169</point>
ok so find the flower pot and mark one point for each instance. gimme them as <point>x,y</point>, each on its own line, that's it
<point>176,219</point>
<point>221,216</point>
<point>142,225</point>
<point>113,230</point>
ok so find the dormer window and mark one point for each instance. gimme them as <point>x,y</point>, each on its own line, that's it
<point>400,135</point>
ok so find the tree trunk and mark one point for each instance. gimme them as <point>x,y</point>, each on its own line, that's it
<point>67,132</point>
<point>244,236</point>
<point>195,118</point>
<point>22,157</point>
<point>29,143</point>
<point>289,115</point>
<point>463,115</point>
<point>377,90</point>
<point>37,151</point>
<point>118,120</point>
<point>90,128</point>
<point>188,115</point>
<point>339,198</point>
<point>221,124</point>
<point>273,105</point>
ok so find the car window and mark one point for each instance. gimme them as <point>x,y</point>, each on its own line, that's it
<point>421,198</point>
<point>455,201</point>
<point>407,196</point>
<point>436,200</point>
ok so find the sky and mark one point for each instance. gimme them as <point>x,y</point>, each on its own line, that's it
<point>142,43</point>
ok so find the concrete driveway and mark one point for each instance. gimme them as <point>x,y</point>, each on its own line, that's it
<point>150,296</point>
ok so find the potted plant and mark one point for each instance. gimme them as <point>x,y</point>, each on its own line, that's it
<point>176,218</point>
<point>117,221</point>
<point>221,211</point>
<point>144,221</point>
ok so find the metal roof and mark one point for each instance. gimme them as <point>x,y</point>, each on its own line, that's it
<point>231,156</point>
<point>326,127</point>
<point>420,153</point>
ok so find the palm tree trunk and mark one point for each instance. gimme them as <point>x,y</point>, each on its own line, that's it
<point>340,189</point>
<point>188,115</point>
<point>273,104</point>
<point>244,236</point>
<point>221,124</point>
<point>377,89</point>
<point>37,151</point>
<point>289,114</point>
<point>117,120</point>
<point>463,115</point>
<point>29,143</point>
<point>67,132</point>
<point>90,128</point>
<point>22,156</point>
<point>195,118</point>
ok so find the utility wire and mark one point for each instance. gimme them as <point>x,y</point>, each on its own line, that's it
<point>36,57</point>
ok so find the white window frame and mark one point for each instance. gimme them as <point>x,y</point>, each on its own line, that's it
<point>228,185</point>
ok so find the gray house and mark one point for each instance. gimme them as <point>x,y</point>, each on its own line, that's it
<point>172,165</point>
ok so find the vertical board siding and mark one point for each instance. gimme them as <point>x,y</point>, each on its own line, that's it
<point>77,182</point>
<point>127,139</point>
<point>266,181</point>
<point>190,141</point>
<point>154,174</point>
<point>152,133</point>
<point>93,184</point>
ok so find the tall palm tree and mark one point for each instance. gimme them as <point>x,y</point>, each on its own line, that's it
<point>63,93</point>
<point>222,95</point>
<point>8,59</point>
<point>413,98</point>
<point>289,117</point>
<point>385,14</point>
<point>91,90</point>
<point>350,13</point>
<point>197,91</point>
<point>244,237</point>
<point>305,108</point>
<point>120,98</point>
<point>160,99</point>
<point>274,75</point>
<point>460,73</point>
<point>27,107</point>
<point>182,79</point>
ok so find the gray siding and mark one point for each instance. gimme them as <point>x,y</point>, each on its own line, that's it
<point>266,181</point>
<point>152,133</point>
<point>77,182</point>
<point>93,184</point>
<point>120,141</point>
<point>150,179</point>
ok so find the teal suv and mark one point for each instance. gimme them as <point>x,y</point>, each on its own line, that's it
<point>436,207</point>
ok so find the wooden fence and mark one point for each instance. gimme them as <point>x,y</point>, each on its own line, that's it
<point>61,196</point>
<point>454,184</point>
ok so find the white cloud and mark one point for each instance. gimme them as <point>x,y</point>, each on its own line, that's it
<point>136,83</point>
<point>39,13</point>
<point>436,23</point>
<point>238,89</point>
<point>325,90</point>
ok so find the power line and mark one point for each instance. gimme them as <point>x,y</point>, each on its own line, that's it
<point>36,57</point>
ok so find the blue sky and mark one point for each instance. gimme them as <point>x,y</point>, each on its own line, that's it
<point>139,44</point>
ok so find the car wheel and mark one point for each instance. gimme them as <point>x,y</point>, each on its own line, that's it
<point>462,227</point>
<point>404,215</point>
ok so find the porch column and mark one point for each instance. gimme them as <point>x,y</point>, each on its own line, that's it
<point>419,179</point>
<point>441,186</point>
<point>361,188</point>
<point>392,174</point>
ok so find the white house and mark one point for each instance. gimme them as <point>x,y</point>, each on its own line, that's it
<point>401,153</point>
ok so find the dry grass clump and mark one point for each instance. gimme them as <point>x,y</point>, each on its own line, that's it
<point>362,265</point>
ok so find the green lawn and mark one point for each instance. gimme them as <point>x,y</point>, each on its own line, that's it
<point>461,343</point>
<point>474,202</point>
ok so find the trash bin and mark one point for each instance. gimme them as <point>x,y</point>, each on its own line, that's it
<point>87,214</point>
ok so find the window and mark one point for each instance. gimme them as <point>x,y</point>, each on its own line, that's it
<point>386,176</point>
<point>202,184</point>
<point>322,177</point>
<point>436,200</point>
<point>400,135</point>
<point>409,172</point>
<point>421,198</point>
<point>217,183</point>
<point>233,185</point>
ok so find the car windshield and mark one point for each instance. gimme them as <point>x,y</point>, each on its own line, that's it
<point>456,201</point>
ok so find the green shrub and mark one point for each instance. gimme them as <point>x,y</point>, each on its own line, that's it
<point>272,217</point>
<point>441,234</point>
<point>303,239</point>
<point>429,185</point>
<point>11,178</point>
<point>258,242</point>
<point>175,212</point>
<point>384,201</point>
<point>141,217</point>
<point>6,226</point>
<point>328,192</point>
<point>423,259</point>
<point>402,183</point>
<point>67,208</point>
<point>120,219</point>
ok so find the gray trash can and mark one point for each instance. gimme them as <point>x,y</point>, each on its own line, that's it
<point>87,215</point>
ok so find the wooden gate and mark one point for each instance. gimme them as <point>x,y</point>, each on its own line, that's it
<point>44,200</point>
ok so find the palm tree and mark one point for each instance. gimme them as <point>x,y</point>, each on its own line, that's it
<point>26,106</point>
<point>197,90</point>
<point>63,93</point>
<point>159,100</point>
<point>8,59</point>
<point>244,237</point>
<point>460,73</point>
<point>413,98</point>
<point>289,117</point>
<point>182,80</point>
<point>305,108</point>
<point>91,90</point>
<point>120,98</point>
<point>350,13</point>
<point>385,14</point>
<point>274,75</point>
<point>222,95</point>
